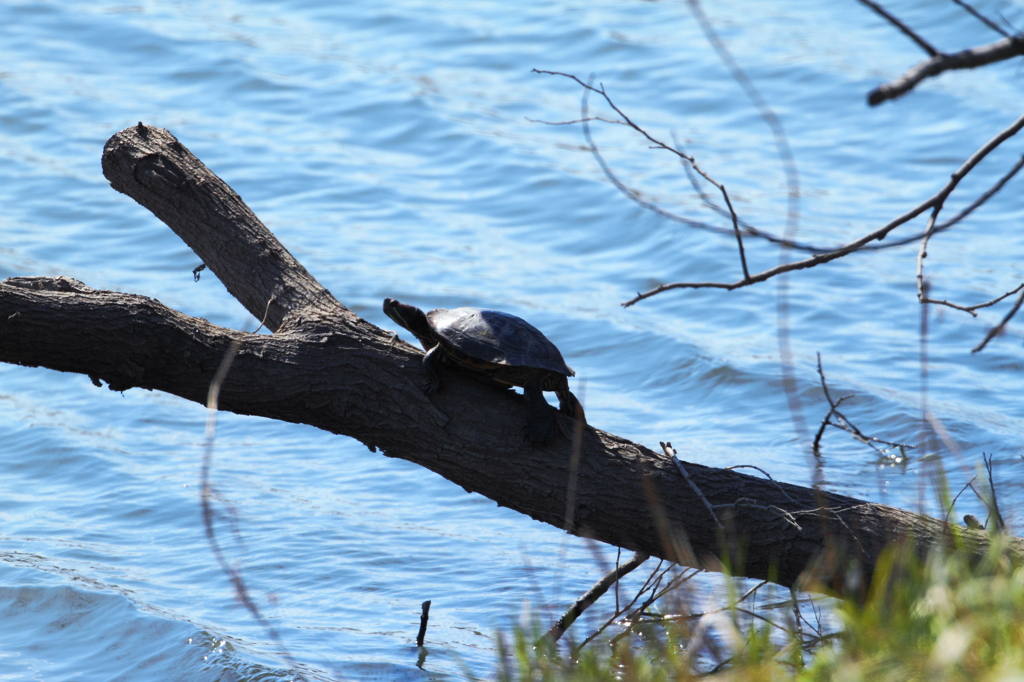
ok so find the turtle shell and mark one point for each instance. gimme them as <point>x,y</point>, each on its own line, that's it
<point>496,337</point>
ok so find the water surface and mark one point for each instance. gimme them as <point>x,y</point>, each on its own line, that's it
<point>395,150</point>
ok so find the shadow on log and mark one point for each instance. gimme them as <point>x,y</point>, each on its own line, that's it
<point>325,366</point>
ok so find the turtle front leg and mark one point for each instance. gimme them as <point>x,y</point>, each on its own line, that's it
<point>541,420</point>
<point>432,365</point>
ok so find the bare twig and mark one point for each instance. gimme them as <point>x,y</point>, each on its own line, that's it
<point>671,453</point>
<point>923,253</point>
<point>982,18</point>
<point>626,120</point>
<point>745,227</point>
<point>575,121</point>
<point>778,511</point>
<point>949,510</point>
<point>825,422</point>
<point>654,617</point>
<point>935,200</point>
<point>993,503</point>
<point>651,583</point>
<point>652,586</point>
<point>906,30</point>
<point>845,424</point>
<point>995,300</point>
<point>996,330</point>
<point>657,592</point>
<point>767,475</point>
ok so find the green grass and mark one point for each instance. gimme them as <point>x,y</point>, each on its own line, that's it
<point>938,618</point>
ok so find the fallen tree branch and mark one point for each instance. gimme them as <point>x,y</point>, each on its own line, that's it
<point>326,367</point>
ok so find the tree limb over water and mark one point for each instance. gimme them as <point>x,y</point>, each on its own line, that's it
<point>939,62</point>
<point>325,366</point>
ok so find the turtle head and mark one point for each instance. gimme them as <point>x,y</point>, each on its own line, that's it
<point>413,319</point>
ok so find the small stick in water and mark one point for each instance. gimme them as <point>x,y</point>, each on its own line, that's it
<point>424,616</point>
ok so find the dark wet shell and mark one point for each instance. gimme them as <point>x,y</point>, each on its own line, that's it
<point>496,337</point>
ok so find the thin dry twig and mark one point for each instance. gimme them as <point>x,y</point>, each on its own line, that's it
<point>982,18</point>
<point>846,425</point>
<point>651,583</point>
<point>593,594</point>
<point>903,28</point>
<point>935,200</point>
<point>998,329</point>
<point>670,452</point>
<point>952,504</point>
<point>922,253</point>
<point>993,502</point>
<point>656,617</point>
<point>767,475</point>
<point>652,586</point>
<point>745,227</point>
<point>658,144</point>
<point>638,614</point>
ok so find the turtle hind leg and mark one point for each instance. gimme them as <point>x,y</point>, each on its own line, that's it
<point>541,419</point>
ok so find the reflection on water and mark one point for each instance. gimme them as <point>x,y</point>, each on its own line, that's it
<point>393,149</point>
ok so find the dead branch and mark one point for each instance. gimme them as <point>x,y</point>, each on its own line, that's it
<point>982,18</point>
<point>592,595</point>
<point>325,366</point>
<point>932,202</point>
<point>969,58</point>
<point>991,501</point>
<point>922,288</point>
<point>845,424</point>
<point>739,224</point>
<point>903,28</point>
<point>1001,50</point>
<point>627,121</point>
<point>654,590</point>
<point>671,452</point>
<point>938,62</point>
<point>998,329</point>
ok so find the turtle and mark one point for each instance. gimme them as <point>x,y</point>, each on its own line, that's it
<point>506,349</point>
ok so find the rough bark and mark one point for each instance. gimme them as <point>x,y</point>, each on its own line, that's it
<point>325,366</point>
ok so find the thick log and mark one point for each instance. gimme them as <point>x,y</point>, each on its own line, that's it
<point>327,367</point>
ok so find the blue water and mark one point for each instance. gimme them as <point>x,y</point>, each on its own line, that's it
<point>393,149</point>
